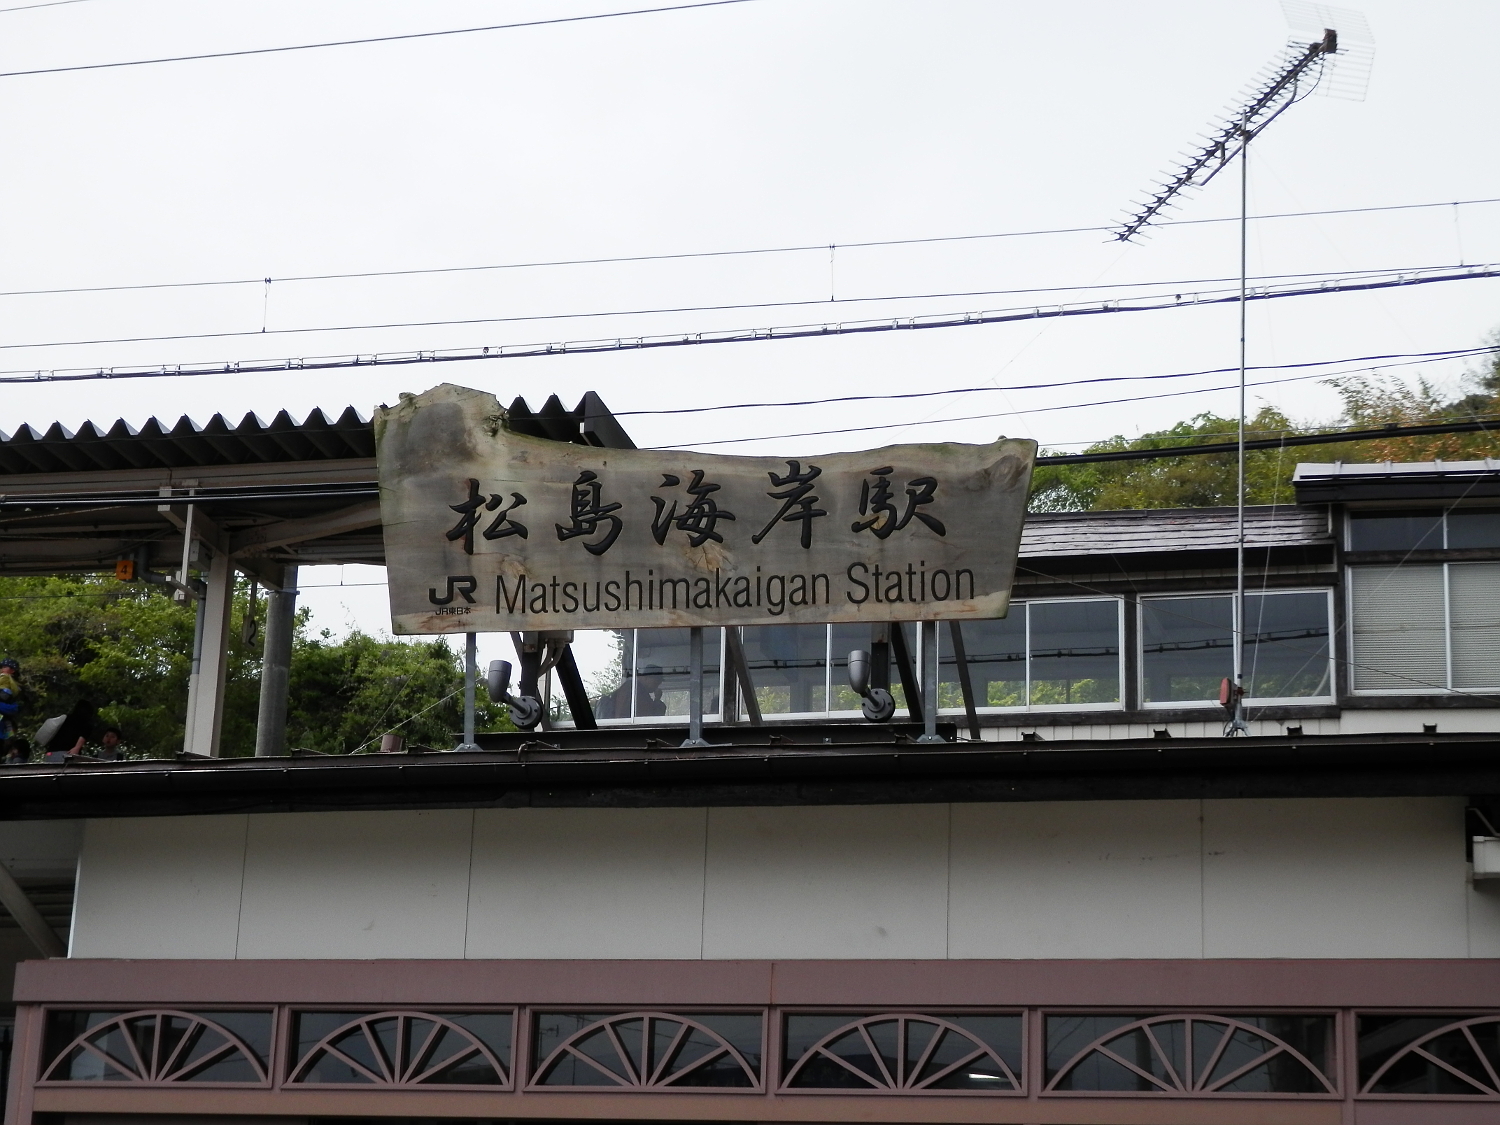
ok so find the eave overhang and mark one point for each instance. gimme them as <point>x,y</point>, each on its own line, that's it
<point>790,767</point>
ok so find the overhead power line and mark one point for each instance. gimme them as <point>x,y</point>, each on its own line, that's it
<point>1450,353</point>
<point>368,39</point>
<point>1035,409</point>
<point>691,254</point>
<point>48,4</point>
<point>814,302</point>
<point>749,335</point>
<point>1476,425</point>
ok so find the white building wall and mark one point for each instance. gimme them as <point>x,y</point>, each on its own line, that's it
<point>1102,879</point>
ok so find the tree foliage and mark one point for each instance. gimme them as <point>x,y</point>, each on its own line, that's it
<point>126,648</point>
<point>1210,479</point>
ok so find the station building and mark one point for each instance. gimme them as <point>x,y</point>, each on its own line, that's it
<point>1088,907</point>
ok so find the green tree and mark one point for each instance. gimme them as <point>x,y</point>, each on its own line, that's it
<point>1197,481</point>
<point>345,694</point>
<point>1210,479</point>
<point>126,647</point>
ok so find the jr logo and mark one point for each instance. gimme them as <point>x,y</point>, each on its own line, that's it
<point>461,584</point>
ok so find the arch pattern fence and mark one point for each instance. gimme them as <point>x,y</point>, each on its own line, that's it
<point>1399,1055</point>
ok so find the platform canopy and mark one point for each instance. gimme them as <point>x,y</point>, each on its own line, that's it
<point>189,504</point>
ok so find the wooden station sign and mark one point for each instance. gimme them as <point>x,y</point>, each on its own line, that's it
<point>487,530</point>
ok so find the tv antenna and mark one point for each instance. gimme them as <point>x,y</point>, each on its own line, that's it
<point>1337,63</point>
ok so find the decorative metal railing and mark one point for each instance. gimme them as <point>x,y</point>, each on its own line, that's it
<point>786,1051</point>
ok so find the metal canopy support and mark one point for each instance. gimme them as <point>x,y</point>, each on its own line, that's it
<point>736,650</point>
<point>205,713</point>
<point>276,667</point>
<point>13,897</point>
<point>965,681</point>
<point>576,694</point>
<point>908,672</point>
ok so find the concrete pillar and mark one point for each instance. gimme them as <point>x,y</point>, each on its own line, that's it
<point>205,714</point>
<point>276,667</point>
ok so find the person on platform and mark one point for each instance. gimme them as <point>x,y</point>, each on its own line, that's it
<point>645,685</point>
<point>10,699</point>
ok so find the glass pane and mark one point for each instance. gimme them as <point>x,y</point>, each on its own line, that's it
<point>801,1032</point>
<point>65,1026</point>
<point>553,1028</point>
<point>661,672</point>
<point>610,691</point>
<point>493,1029</point>
<point>1473,529</point>
<point>1409,531</point>
<point>252,1028</point>
<point>1075,652</point>
<point>1286,646</point>
<point>1068,1035</point>
<point>1399,635</point>
<point>1474,593</point>
<point>844,639</point>
<point>1002,1034</point>
<point>1309,1036</point>
<point>997,659</point>
<point>1381,1037</point>
<point>788,666</point>
<point>1000,651</point>
<point>741,1030</point>
<point>1187,648</point>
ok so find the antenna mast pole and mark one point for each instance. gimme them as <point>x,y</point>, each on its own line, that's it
<point>1277,89</point>
<point>1237,724</point>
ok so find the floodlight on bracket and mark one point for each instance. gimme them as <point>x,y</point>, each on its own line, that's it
<point>525,710</point>
<point>878,705</point>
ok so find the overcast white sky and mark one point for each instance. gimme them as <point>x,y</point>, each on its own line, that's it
<point>762,124</point>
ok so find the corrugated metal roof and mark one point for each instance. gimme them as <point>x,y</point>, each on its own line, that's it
<point>1158,530</point>
<point>186,443</point>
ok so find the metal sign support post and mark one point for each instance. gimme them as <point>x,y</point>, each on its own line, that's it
<point>695,738</point>
<point>471,657</point>
<point>929,682</point>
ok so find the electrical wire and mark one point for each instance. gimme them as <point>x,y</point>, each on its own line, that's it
<point>1166,286</point>
<point>1450,353</point>
<point>367,40</point>
<point>1013,413</point>
<point>685,255</point>
<point>735,336</point>
<point>47,4</point>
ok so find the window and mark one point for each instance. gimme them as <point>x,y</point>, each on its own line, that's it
<point>1426,1054</point>
<point>1453,530</point>
<point>656,1051</point>
<point>1058,655</point>
<point>789,667</point>
<point>649,680</point>
<point>1187,647</point>
<point>903,1052</point>
<point>1424,628</point>
<point>1191,1055</point>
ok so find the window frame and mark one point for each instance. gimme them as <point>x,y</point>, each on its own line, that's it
<point>1250,701</point>
<point>633,720</point>
<point>1448,688</point>
<point>1443,512</point>
<point>1049,708</point>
